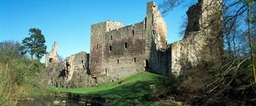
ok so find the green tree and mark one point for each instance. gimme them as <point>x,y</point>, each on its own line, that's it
<point>34,45</point>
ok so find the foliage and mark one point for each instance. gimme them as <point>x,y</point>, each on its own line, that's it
<point>228,83</point>
<point>34,44</point>
<point>166,86</point>
<point>10,48</point>
<point>225,81</point>
<point>17,74</point>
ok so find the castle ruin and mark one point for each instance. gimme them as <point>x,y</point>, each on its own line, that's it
<point>118,51</point>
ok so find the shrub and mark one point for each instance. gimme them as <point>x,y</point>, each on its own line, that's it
<point>18,75</point>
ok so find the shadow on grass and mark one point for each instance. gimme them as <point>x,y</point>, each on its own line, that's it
<point>129,94</point>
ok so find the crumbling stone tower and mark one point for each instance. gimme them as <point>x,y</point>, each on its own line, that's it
<point>203,36</point>
<point>52,57</point>
<point>206,17</point>
<point>156,53</point>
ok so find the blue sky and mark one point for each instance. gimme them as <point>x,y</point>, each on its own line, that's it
<point>69,21</point>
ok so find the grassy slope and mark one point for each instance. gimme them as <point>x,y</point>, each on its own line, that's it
<point>146,77</point>
<point>134,90</point>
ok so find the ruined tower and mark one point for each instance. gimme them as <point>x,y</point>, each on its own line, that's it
<point>211,27</point>
<point>156,54</point>
<point>52,56</point>
<point>203,36</point>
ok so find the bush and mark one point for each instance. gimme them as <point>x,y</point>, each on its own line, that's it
<point>18,75</point>
<point>167,85</point>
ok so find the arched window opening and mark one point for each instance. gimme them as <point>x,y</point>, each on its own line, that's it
<point>132,32</point>
<point>110,48</point>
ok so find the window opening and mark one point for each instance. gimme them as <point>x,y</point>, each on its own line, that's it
<point>134,60</point>
<point>110,48</point>
<point>82,61</point>
<point>132,32</point>
<point>125,45</point>
<point>97,45</point>
<point>145,23</point>
<point>146,63</point>
<point>50,60</point>
<point>111,38</point>
<point>117,61</point>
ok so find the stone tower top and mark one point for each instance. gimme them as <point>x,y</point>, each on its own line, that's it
<point>52,56</point>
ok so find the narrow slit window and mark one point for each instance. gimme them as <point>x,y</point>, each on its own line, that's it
<point>97,45</point>
<point>111,38</point>
<point>132,32</point>
<point>117,61</point>
<point>134,60</point>
<point>145,23</point>
<point>110,48</point>
<point>125,45</point>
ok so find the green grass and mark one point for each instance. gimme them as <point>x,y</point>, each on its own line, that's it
<point>148,78</point>
<point>134,90</point>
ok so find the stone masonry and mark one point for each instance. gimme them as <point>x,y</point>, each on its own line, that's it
<point>203,37</point>
<point>52,56</point>
<point>118,51</point>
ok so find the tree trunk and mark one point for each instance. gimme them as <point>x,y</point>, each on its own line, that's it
<point>250,41</point>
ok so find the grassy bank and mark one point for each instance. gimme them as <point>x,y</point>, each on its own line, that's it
<point>135,90</point>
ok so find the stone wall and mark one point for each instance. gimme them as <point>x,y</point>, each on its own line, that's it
<point>156,53</point>
<point>78,62</point>
<point>125,51</point>
<point>97,48</point>
<point>72,72</point>
<point>203,37</point>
